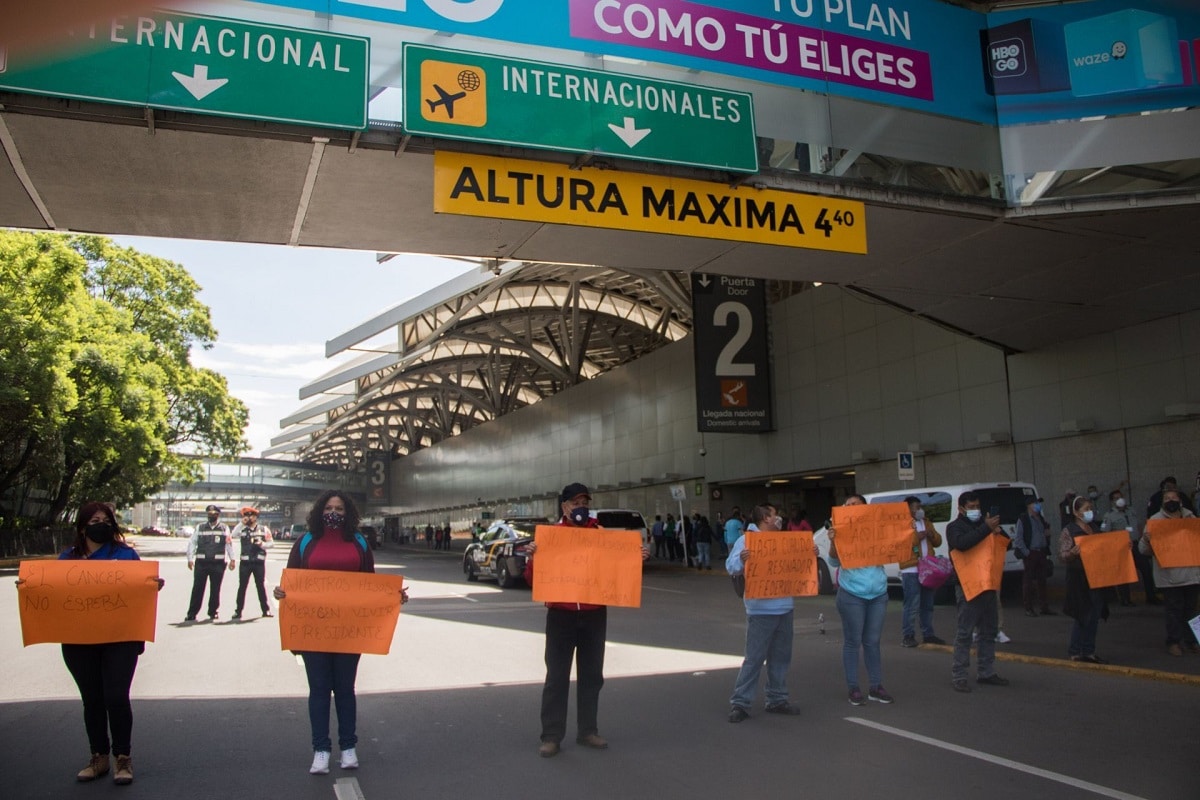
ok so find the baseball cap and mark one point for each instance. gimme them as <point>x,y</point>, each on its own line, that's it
<point>573,490</point>
<point>211,507</point>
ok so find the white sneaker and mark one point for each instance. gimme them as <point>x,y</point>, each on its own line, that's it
<point>1002,638</point>
<point>320,765</point>
<point>349,759</point>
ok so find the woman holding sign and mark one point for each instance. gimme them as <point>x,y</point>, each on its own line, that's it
<point>1180,585</point>
<point>104,672</point>
<point>862,603</point>
<point>333,543</point>
<point>1084,604</point>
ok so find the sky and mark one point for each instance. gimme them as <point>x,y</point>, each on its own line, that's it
<point>274,307</point>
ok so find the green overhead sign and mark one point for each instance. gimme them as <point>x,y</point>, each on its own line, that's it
<point>206,65</point>
<point>483,98</point>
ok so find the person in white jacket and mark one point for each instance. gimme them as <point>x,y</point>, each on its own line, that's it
<point>1180,586</point>
<point>255,539</point>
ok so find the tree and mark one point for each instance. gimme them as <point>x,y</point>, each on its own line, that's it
<point>96,380</point>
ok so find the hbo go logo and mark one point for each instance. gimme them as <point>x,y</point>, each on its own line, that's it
<point>1007,58</point>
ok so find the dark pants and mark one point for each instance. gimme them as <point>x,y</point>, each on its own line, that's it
<point>1086,625</point>
<point>259,570</point>
<point>659,544</point>
<point>212,573</point>
<point>579,636</point>
<point>1144,564</point>
<point>104,673</point>
<point>332,673</point>
<point>1179,605</point>
<point>1033,584</point>
<point>983,613</point>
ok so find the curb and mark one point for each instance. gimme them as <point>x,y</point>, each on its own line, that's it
<point>1112,669</point>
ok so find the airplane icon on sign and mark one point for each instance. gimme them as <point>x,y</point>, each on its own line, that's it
<point>445,99</point>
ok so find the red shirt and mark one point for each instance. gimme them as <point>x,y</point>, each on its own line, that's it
<point>335,553</point>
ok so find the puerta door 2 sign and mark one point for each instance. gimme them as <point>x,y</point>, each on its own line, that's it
<point>733,366</point>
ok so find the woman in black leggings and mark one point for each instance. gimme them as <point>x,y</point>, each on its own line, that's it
<point>104,672</point>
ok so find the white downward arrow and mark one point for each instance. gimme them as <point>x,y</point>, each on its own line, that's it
<point>704,281</point>
<point>198,83</point>
<point>629,134</point>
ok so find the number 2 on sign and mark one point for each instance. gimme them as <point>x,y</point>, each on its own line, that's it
<point>741,334</point>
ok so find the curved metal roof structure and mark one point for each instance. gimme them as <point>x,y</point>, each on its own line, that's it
<point>476,348</point>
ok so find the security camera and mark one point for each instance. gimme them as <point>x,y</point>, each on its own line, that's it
<point>704,452</point>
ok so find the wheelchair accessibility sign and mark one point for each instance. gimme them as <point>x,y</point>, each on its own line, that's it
<point>904,464</point>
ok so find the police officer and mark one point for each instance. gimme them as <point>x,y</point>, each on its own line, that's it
<point>255,540</point>
<point>209,551</point>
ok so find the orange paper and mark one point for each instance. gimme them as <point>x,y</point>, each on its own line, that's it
<point>1176,542</point>
<point>587,565</point>
<point>327,611</point>
<point>981,568</point>
<point>872,535</point>
<point>781,564</point>
<point>1107,559</point>
<point>79,601</point>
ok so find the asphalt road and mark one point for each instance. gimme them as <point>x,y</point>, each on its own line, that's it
<point>219,709</point>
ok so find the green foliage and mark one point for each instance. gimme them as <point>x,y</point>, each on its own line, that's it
<point>96,382</point>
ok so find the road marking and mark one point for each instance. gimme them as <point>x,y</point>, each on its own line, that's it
<point>1095,788</point>
<point>348,789</point>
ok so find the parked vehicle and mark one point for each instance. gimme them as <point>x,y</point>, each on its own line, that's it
<point>372,535</point>
<point>622,519</point>
<point>941,506</point>
<point>501,551</point>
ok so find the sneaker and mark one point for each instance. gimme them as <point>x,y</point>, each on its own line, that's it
<point>349,759</point>
<point>213,616</point>
<point>268,613</point>
<point>909,641</point>
<point>961,685</point>
<point>934,640</point>
<point>784,708</point>
<point>856,697</point>
<point>738,714</point>
<point>880,695</point>
<point>1003,638</point>
<point>992,680</point>
<point>123,774</point>
<point>593,740</point>
<point>548,749</point>
<point>320,765</point>
<point>237,615</point>
<point>97,766</point>
<point>190,618</point>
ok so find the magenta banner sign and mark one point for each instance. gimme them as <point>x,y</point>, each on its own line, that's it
<point>702,31</point>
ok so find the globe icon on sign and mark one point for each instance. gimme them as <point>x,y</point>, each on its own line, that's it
<point>468,80</point>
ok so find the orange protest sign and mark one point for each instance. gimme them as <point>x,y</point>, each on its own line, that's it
<point>1176,542</point>
<point>327,611</point>
<point>78,601</point>
<point>587,565</point>
<point>872,535</point>
<point>781,564</point>
<point>1107,559</point>
<point>980,569</point>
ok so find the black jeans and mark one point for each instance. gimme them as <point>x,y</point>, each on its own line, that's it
<point>212,573</point>
<point>1179,606</point>
<point>104,673</point>
<point>1033,583</point>
<point>579,636</point>
<point>259,570</point>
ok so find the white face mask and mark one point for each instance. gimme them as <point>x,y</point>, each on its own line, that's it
<point>974,514</point>
<point>1120,502</point>
<point>1087,515</point>
<point>919,514</point>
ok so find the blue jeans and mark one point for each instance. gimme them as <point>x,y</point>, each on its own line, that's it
<point>916,598</point>
<point>1083,632</point>
<point>769,639</point>
<point>332,672</point>
<point>862,626</point>
<point>703,554</point>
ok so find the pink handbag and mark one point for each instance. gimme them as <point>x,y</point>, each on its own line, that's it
<point>933,571</point>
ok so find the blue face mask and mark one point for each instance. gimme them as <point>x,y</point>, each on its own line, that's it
<point>1037,507</point>
<point>579,515</point>
<point>974,515</point>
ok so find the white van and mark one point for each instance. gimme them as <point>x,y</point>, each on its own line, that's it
<point>621,519</point>
<point>941,506</point>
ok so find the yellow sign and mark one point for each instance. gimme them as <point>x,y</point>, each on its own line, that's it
<point>535,191</point>
<point>454,93</point>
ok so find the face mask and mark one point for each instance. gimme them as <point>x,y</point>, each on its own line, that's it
<point>1093,495</point>
<point>919,514</point>
<point>1037,507</point>
<point>579,516</point>
<point>974,515</point>
<point>212,518</point>
<point>1171,506</point>
<point>1120,502</point>
<point>100,532</point>
<point>1088,515</point>
<point>332,519</point>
